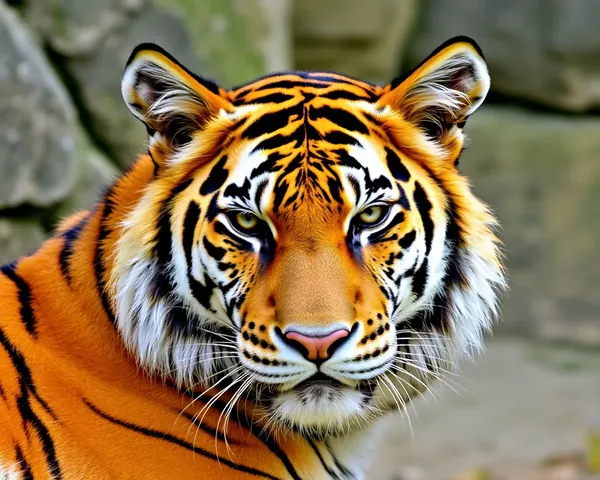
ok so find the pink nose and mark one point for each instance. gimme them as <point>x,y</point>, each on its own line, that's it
<point>318,348</point>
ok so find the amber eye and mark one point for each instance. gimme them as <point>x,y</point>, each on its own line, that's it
<point>246,221</point>
<point>373,215</point>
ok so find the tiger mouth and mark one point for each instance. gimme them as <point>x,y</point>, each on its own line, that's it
<point>319,381</point>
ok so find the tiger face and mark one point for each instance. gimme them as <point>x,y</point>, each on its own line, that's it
<point>307,241</point>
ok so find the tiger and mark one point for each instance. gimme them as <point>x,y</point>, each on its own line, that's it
<point>290,262</point>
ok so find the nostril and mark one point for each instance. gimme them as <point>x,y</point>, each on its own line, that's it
<point>296,345</point>
<point>313,345</point>
<point>335,345</point>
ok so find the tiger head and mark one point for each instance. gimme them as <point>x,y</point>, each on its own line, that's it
<point>307,239</point>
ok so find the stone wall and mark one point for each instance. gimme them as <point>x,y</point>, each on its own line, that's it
<point>64,131</point>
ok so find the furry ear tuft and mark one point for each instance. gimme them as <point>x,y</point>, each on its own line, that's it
<point>439,95</point>
<point>167,97</point>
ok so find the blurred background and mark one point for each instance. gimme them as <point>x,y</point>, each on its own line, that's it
<point>530,407</point>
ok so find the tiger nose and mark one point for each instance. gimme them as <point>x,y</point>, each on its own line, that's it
<point>316,347</point>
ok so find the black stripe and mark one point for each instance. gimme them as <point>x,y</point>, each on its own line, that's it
<point>270,122</point>
<point>344,95</point>
<point>424,207</point>
<point>259,433</point>
<point>279,140</point>
<point>292,84</point>
<point>340,138</point>
<point>438,315</point>
<point>23,465</point>
<point>326,467</point>
<point>277,97</point>
<point>420,279</point>
<point>23,404</point>
<point>176,441</point>
<point>99,268</point>
<point>215,252</point>
<point>194,420</point>
<point>189,227</point>
<point>24,296</point>
<point>154,163</point>
<point>259,192</point>
<point>347,473</point>
<point>407,240</point>
<point>66,251</point>
<point>340,117</point>
<point>163,239</point>
<point>216,177</point>
<point>397,169</point>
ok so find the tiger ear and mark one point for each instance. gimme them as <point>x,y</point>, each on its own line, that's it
<point>167,97</point>
<point>439,95</point>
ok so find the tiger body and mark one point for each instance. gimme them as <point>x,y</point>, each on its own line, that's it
<point>290,260</point>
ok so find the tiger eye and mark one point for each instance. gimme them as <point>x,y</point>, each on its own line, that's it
<point>246,220</point>
<point>371,215</point>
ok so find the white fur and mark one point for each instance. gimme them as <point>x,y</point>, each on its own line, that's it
<point>8,472</point>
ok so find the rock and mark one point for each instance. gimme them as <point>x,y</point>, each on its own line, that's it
<point>347,37</point>
<point>19,237</point>
<point>276,40</point>
<point>541,174</point>
<point>236,39</point>
<point>541,51</point>
<point>37,157</point>
<point>92,43</point>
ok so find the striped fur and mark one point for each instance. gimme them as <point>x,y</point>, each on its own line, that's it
<point>146,338</point>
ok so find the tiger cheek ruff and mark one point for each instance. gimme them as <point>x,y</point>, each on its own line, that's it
<point>289,261</point>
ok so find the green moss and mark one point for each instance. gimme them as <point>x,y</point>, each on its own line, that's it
<point>226,36</point>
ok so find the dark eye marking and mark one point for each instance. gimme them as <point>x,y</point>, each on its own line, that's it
<point>215,252</point>
<point>213,209</point>
<point>235,191</point>
<point>216,177</point>
<point>407,240</point>
<point>233,239</point>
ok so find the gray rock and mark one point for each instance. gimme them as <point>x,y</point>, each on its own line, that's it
<point>544,51</point>
<point>37,161</point>
<point>349,37</point>
<point>19,237</point>
<point>229,36</point>
<point>93,41</point>
<point>541,174</point>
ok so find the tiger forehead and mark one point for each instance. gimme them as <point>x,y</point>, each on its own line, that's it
<point>301,129</point>
<point>309,84</point>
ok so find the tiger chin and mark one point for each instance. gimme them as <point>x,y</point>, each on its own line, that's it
<point>291,260</point>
